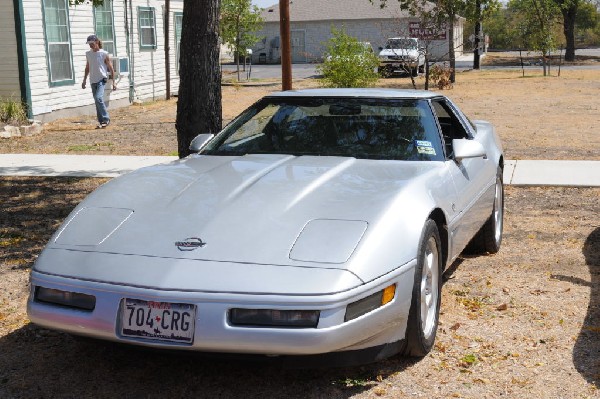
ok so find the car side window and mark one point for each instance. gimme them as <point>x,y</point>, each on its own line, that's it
<point>450,124</point>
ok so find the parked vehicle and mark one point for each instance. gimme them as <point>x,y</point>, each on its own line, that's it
<point>401,55</point>
<point>318,222</point>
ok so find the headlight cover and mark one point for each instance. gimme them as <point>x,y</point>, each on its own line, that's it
<point>65,298</point>
<point>274,318</point>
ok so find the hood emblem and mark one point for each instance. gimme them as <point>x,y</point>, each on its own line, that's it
<point>189,244</point>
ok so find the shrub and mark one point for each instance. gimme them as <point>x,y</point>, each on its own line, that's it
<point>440,76</point>
<point>349,62</point>
<point>12,112</point>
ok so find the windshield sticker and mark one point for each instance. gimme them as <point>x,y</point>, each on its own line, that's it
<point>422,143</point>
<point>426,150</point>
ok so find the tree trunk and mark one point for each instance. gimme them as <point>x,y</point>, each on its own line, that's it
<point>545,63</point>
<point>237,46</point>
<point>199,103</point>
<point>426,71</point>
<point>569,15</point>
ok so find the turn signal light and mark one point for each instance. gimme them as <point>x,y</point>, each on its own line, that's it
<point>370,303</point>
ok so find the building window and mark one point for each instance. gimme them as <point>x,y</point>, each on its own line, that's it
<point>147,25</point>
<point>105,27</point>
<point>58,41</point>
<point>178,24</point>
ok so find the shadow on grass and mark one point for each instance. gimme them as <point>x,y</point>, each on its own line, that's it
<point>586,353</point>
<point>32,209</point>
<point>39,363</point>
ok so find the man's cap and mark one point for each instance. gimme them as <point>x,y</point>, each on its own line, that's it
<point>92,38</point>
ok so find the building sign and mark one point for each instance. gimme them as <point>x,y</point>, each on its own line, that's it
<point>435,33</point>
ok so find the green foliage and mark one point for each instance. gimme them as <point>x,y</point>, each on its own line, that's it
<point>349,63</point>
<point>239,20</point>
<point>588,16</point>
<point>12,112</point>
<point>505,27</point>
<point>587,25</point>
<point>468,360</point>
<point>537,22</point>
<point>501,29</point>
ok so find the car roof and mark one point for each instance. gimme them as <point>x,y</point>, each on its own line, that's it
<point>357,93</point>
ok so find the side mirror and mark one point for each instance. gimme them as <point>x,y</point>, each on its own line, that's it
<point>464,148</point>
<point>380,48</point>
<point>200,141</point>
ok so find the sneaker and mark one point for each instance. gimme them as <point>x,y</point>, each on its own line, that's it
<point>104,124</point>
<point>99,126</point>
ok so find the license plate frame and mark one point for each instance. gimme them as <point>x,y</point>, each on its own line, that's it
<point>158,321</point>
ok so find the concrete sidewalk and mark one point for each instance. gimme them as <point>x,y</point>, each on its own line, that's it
<point>518,173</point>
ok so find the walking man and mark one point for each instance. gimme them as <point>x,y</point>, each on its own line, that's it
<point>100,68</point>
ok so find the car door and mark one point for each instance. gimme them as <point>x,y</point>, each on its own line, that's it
<point>473,178</point>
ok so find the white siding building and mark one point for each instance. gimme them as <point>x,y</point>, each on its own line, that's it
<point>311,22</point>
<point>43,43</point>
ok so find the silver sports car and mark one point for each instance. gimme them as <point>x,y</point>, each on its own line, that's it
<point>318,222</point>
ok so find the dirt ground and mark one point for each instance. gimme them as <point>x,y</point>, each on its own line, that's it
<point>536,117</point>
<point>524,323</point>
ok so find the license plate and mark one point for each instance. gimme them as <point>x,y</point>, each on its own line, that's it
<point>162,321</point>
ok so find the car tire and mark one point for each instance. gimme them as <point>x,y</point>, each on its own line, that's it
<point>489,238</point>
<point>424,311</point>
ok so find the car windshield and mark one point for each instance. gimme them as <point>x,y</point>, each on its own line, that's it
<point>398,129</point>
<point>408,44</point>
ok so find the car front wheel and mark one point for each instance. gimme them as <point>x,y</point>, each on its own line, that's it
<point>489,237</point>
<point>425,306</point>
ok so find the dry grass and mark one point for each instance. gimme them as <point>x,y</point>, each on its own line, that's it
<point>536,117</point>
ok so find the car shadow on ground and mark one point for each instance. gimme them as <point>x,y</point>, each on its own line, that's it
<point>36,362</point>
<point>586,353</point>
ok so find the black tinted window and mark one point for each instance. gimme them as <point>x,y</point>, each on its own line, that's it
<point>360,128</point>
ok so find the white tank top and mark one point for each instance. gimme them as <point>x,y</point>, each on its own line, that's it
<point>98,69</point>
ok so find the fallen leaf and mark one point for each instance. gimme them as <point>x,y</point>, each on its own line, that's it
<point>455,327</point>
<point>504,306</point>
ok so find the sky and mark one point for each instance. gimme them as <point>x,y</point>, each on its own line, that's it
<point>264,3</point>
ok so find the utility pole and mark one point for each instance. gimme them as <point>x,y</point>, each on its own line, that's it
<point>477,41</point>
<point>167,56</point>
<point>286,51</point>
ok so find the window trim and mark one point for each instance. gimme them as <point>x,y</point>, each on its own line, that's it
<point>177,43</point>
<point>112,15</point>
<point>64,82</point>
<point>153,46</point>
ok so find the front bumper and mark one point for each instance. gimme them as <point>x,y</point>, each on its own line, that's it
<point>398,65</point>
<point>213,331</point>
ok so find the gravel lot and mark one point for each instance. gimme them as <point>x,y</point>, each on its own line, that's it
<point>522,323</point>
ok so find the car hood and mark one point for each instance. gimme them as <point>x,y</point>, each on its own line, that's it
<point>306,211</point>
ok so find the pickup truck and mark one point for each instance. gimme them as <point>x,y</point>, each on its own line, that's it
<point>401,55</point>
